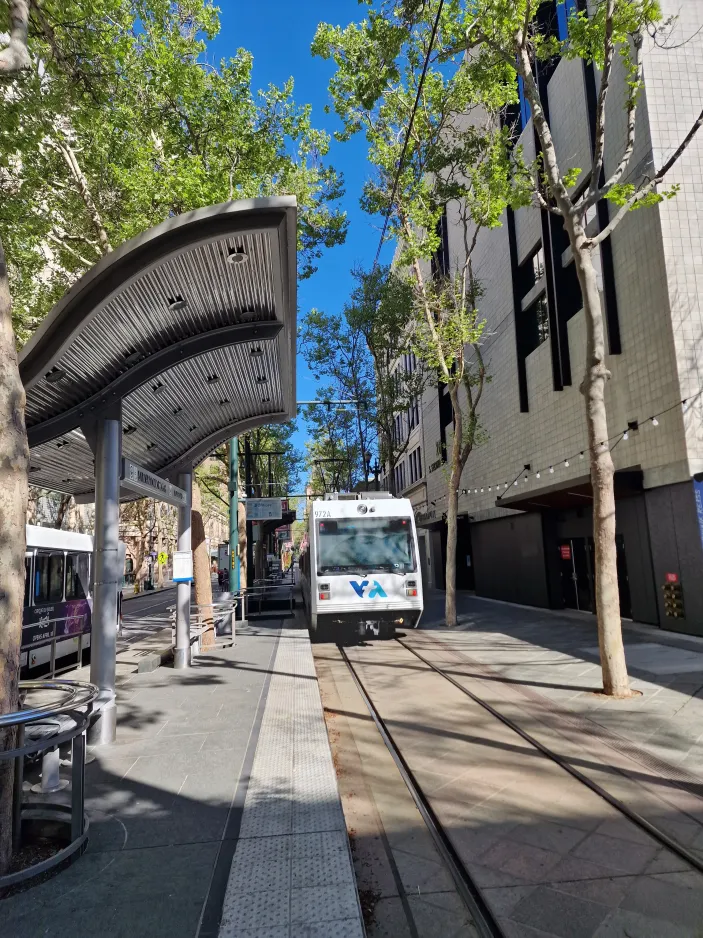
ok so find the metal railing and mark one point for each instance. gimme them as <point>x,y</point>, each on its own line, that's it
<point>43,729</point>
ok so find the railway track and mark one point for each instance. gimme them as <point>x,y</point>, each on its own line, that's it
<point>486,921</point>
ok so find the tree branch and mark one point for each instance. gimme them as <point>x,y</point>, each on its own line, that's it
<point>57,240</point>
<point>649,186</point>
<point>541,125</point>
<point>85,194</point>
<point>599,132</point>
<point>15,56</point>
<point>595,193</point>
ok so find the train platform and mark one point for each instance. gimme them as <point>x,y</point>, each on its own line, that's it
<point>215,813</point>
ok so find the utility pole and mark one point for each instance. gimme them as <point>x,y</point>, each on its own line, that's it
<point>234,515</point>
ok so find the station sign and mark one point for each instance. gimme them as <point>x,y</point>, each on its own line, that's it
<point>264,509</point>
<point>140,480</point>
<point>182,566</point>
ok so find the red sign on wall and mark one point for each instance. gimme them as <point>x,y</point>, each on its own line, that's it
<point>565,551</point>
<point>672,577</point>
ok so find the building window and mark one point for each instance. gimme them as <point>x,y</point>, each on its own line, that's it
<point>415,462</point>
<point>538,265</point>
<point>536,324</point>
<point>525,110</point>
<point>565,9</point>
<point>440,259</point>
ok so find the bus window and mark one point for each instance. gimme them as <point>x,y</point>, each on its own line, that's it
<point>48,578</point>
<point>77,567</point>
<point>27,578</point>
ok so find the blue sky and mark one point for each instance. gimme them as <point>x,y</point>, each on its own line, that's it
<point>279,34</point>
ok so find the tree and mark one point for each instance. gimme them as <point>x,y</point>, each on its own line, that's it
<point>336,351</point>
<point>334,458</point>
<point>511,35</point>
<point>202,583</point>
<point>454,156</point>
<point>14,463</point>
<point>380,308</point>
<point>114,120</point>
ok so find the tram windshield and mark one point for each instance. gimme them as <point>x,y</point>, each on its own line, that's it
<point>365,545</point>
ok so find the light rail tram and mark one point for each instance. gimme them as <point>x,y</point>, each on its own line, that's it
<point>58,601</point>
<point>359,566</point>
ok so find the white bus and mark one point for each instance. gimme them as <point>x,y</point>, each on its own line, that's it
<point>359,566</point>
<point>58,601</point>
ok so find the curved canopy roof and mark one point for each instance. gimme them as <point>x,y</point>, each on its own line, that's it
<point>190,325</point>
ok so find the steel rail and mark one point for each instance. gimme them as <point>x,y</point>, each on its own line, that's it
<point>483,919</point>
<point>637,819</point>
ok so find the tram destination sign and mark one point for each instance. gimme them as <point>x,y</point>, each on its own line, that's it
<point>140,480</point>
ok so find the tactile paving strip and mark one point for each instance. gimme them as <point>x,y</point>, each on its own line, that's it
<point>292,871</point>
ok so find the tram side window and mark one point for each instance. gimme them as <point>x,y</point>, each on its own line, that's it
<point>77,572</point>
<point>27,579</point>
<point>48,578</point>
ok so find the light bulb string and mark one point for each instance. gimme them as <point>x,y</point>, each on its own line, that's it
<point>616,439</point>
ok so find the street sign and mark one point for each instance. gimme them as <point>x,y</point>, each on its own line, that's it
<point>698,494</point>
<point>264,509</point>
<point>143,482</point>
<point>162,558</point>
<point>182,566</point>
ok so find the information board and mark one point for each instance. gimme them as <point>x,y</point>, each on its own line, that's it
<point>264,509</point>
<point>182,566</point>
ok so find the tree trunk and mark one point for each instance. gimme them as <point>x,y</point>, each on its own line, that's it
<point>159,546</point>
<point>452,512</point>
<point>14,491</point>
<point>242,538</point>
<point>202,583</point>
<point>64,502</point>
<point>612,651</point>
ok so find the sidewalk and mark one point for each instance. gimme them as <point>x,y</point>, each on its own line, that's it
<point>227,760</point>
<point>556,657</point>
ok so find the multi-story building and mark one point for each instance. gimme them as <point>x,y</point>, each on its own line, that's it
<point>525,532</point>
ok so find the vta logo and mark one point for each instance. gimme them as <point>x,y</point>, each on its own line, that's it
<point>376,590</point>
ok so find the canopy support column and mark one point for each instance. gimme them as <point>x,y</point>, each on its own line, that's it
<point>107,576</point>
<point>181,652</point>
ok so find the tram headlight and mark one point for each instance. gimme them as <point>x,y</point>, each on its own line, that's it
<point>323,590</point>
<point>411,587</point>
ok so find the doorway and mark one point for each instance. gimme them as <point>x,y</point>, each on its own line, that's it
<point>577,570</point>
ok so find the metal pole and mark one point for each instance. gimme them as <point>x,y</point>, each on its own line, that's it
<point>181,653</point>
<point>107,578</point>
<point>234,515</point>
<point>249,529</point>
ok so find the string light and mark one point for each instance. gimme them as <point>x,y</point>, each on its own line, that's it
<point>619,437</point>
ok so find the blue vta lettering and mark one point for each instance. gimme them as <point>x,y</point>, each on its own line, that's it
<point>359,587</point>
<point>377,590</point>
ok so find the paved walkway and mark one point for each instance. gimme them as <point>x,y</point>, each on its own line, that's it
<point>170,804</point>
<point>292,872</point>
<point>556,656</point>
